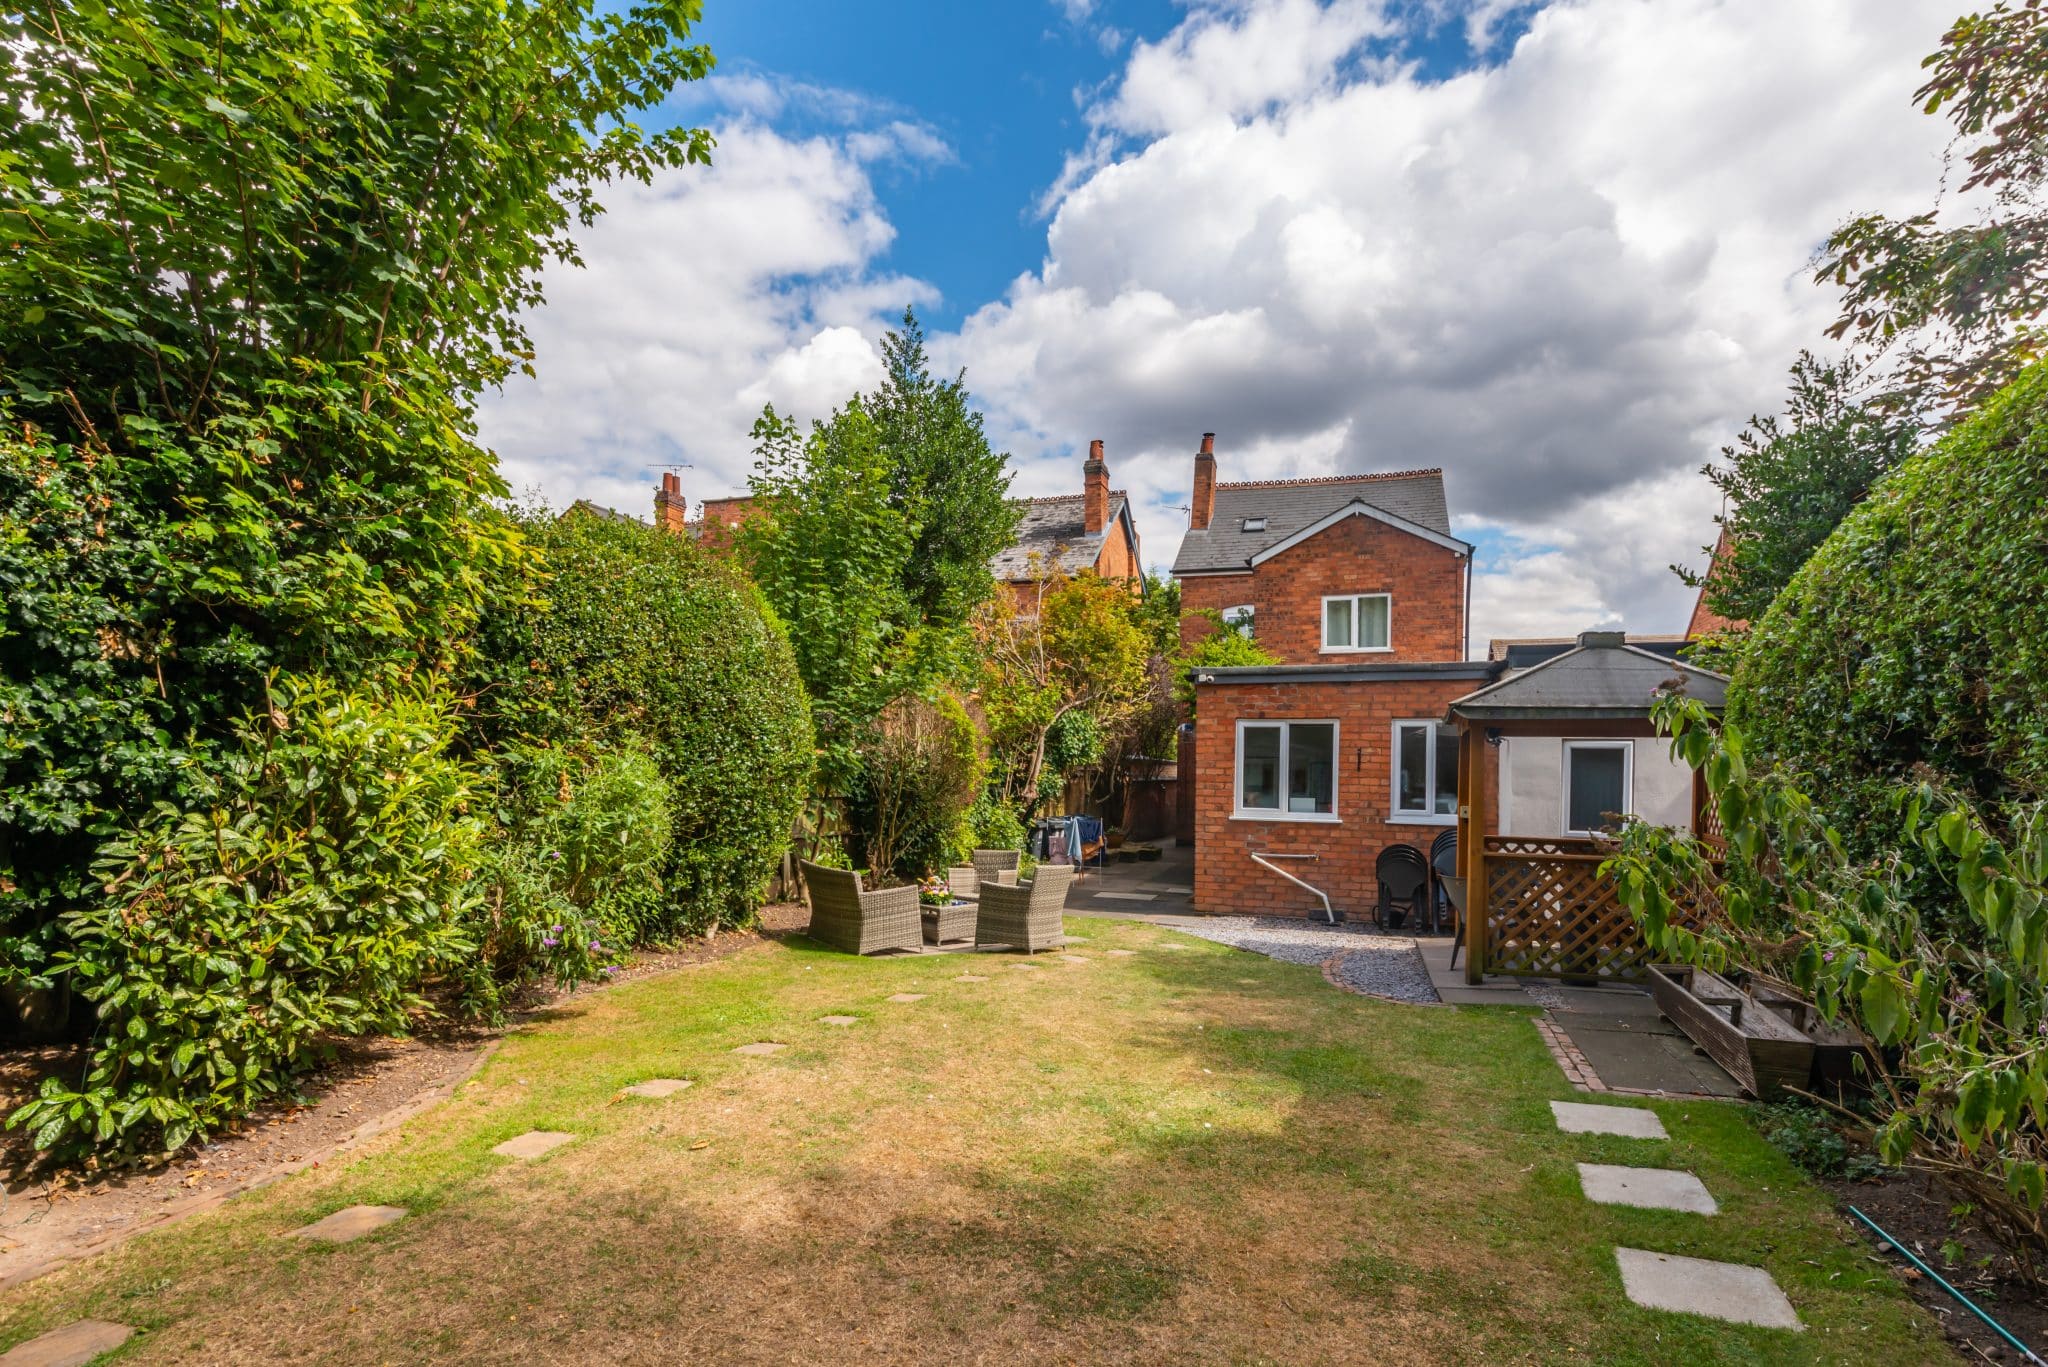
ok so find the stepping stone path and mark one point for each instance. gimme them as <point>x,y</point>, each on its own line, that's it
<point>1120,953</point>
<point>760,1050</point>
<point>1025,967</point>
<point>1648,1188</point>
<point>72,1346</point>
<point>1698,1286</point>
<point>908,997</point>
<point>1629,1121</point>
<point>533,1143</point>
<point>658,1087</point>
<point>350,1224</point>
<point>1075,958</point>
<point>839,1020</point>
<point>970,978</point>
<point>1667,1281</point>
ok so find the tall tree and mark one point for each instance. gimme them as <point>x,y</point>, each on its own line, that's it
<point>1788,483</point>
<point>946,481</point>
<point>1960,303</point>
<point>257,259</point>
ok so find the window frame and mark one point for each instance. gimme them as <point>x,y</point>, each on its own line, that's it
<point>1240,812</point>
<point>1323,624</point>
<point>1250,625</point>
<point>1564,780</point>
<point>1395,815</point>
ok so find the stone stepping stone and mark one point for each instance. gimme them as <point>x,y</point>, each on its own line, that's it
<point>970,978</point>
<point>1575,1117</point>
<point>839,1020</point>
<point>1026,968</point>
<point>658,1087</point>
<point>1075,958</point>
<point>1648,1188</point>
<point>908,997</point>
<point>760,1050</point>
<point>1128,896</point>
<point>533,1143</point>
<point>1699,1286</point>
<point>72,1346</point>
<point>351,1223</point>
<point>1121,953</point>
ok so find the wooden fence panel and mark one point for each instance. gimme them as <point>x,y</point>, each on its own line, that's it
<point>1550,914</point>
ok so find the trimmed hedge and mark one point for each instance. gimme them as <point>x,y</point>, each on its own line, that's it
<point>643,637</point>
<point>1917,635</point>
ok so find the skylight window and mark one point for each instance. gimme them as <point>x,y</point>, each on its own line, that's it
<point>1253,524</point>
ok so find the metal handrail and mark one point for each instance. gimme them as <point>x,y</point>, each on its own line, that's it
<point>1260,858</point>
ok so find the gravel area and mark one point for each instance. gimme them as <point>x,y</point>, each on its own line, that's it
<point>1374,964</point>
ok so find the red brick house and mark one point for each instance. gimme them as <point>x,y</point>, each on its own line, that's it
<point>1358,586</point>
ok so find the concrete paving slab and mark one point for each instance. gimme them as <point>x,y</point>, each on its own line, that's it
<point>839,1020</point>
<point>1076,958</point>
<point>72,1346</point>
<point>1127,896</point>
<point>1698,1286</point>
<point>1646,1188</point>
<point>349,1224</point>
<point>659,1087</point>
<point>533,1143</point>
<point>761,1050</point>
<point>1632,1047</point>
<point>1631,1122</point>
<point>908,997</point>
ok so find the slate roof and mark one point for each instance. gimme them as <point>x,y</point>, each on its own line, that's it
<point>1602,677</point>
<point>1523,652</point>
<point>1055,530</point>
<point>1288,505</point>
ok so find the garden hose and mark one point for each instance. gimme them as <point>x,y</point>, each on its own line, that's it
<point>1939,1281</point>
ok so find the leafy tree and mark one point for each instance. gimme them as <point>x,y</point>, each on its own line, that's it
<point>257,258</point>
<point>1788,483</point>
<point>1082,649</point>
<point>1227,646</point>
<point>1960,303</point>
<point>950,487</point>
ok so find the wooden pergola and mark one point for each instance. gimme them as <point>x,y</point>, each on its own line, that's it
<point>1536,905</point>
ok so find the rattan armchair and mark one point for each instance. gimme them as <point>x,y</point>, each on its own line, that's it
<point>991,865</point>
<point>860,922</point>
<point>1026,915</point>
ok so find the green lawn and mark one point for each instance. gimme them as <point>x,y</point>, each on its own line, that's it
<point>1199,1156</point>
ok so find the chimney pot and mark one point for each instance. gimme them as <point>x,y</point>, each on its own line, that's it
<point>669,503</point>
<point>1208,443</point>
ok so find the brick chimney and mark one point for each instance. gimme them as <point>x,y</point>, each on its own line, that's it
<point>1204,504</point>
<point>669,503</point>
<point>1095,481</point>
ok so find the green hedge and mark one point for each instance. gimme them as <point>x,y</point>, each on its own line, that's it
<point>1915,641</point>
<point>644,638</point>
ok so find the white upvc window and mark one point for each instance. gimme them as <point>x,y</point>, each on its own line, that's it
<point>1286,771</point>
<point>1358,622</point>
<point>1240,617</point>
<point>1599,776</point>
<point>1425,773</point>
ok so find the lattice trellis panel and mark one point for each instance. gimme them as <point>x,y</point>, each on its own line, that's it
<point>1550,914</point>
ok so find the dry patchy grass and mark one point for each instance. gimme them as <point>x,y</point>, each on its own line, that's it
<point>1188,1157</point>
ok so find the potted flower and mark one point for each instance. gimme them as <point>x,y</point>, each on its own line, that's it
<point>946,917</point>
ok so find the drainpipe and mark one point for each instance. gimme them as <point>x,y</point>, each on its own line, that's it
<point>1261,859</point>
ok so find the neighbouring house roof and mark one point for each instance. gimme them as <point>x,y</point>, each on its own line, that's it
<point>1523,652</point>
<point>1603,677</point>
<point>1474,670</point>
<point>1291,507</point>
<point>1055,530</point>
<point>584,505</point>
<point>1705,620</point>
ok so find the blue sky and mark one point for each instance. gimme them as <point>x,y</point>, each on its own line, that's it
<point>1559,250</point>
<point>998,82</point>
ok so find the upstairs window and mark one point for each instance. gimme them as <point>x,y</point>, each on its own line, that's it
<point>1358,621</point>
<point>1425,771</point>
<point>1287,769</point>
<point>1253,524</point>
<point>1597,780</point>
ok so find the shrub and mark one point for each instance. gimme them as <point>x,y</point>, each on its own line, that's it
<point>1813,1140</point>
<point>993,824</point>
<point>324,882</point>
<point>573,872</point>
<point>643,638</point>
<point>1916,638</point>
<point>919,775</point>
<point>1228,646</point>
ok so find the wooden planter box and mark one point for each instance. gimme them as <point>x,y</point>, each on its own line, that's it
<point>1760,1048</point>
<point>1836,1045</point>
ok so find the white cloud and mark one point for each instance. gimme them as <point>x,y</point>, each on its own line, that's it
<point>704,296</point>
<point>1567,278</point>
